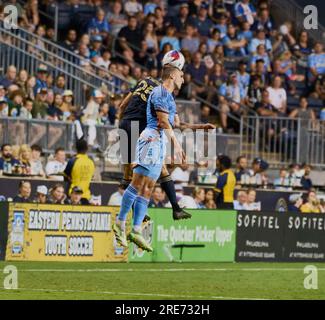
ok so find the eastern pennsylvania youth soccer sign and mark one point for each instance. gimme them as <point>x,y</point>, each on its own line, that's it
<point>62,233</point>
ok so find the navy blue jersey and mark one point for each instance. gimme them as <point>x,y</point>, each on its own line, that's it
<point>137,106</point>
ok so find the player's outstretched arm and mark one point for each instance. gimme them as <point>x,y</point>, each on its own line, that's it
<point>184,125</point>
<point>124,104</point>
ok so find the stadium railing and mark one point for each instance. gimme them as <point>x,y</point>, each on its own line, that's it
<point>282,141</point>
<point>66,61</point>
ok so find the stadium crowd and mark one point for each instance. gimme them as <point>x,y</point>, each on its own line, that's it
<point>236,58</point>
<point>28,162</point>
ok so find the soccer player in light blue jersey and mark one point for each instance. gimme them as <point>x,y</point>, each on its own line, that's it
<point>150,154</point>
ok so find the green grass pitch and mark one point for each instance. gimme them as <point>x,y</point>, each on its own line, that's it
<point>166,281</point>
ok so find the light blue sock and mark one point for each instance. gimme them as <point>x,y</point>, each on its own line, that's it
<point>140,210</point>
<point>129,196</point>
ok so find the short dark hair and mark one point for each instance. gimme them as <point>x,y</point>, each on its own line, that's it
<point>225,161</point>
<point>5,145</point>
<point>36,147</point>
<point>166,72</point>
<point>21,183</point>
<point>239,158</point>
<point>57,150</point>
<point>82,146</point>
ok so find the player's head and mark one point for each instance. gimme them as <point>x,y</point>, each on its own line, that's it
<point>82,146</point>
<point>173,58</point>
<point>173,74</point>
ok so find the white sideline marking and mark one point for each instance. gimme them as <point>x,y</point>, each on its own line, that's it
<point>131,294</point>
<point>165,270</point>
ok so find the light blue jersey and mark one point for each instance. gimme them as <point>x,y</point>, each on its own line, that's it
<point>151,145</point>
<point>317,61</point>
<point>161,100</point>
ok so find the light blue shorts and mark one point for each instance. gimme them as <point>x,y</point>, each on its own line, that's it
<point>150,153</point>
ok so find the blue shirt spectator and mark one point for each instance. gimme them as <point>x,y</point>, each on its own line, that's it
<point>245,12</point>
<point>99,24</point>
<point>202,22</point>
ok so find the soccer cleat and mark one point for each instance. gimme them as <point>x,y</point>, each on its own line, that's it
<point>120,235</point>
<point>146,218</point>
<point>139,240</point>
<point>181,214</point>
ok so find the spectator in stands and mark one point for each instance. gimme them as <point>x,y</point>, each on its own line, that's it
<point>99,25</point>
<point>190,41</point>
<point>199,198</point>
<point>7,161</point>
<point>4,108</point>
<point>303,112</point>
<point>21,81</point>
<point>41,194</point>
<point>225,187</point>
<point>316,62</point>
<point>90,115</point>
<point>209,200</point>
<point>70,43</point>
<point>303,48</point>
<point>25,155</point>
<point>54,168</point>
<point>264,22</point>
<point>214,40</point>
<point>41,83</point>
<point>59,86</point>
<point>36,163</point>
<point>54,111</point>
<point>295,202</point>
<point>282,182</point>
<point>10,77</point>
<point>252,205</point>
<point>25,190</point>
<point>181,20</point>
<point>202,21</point>
<point>150,37</point>
<point>305,181</point>
<point>278,95</point>
<point>129,38</point>
<point>319,92</point>
<point>15,103</point>
<point>40,106</point>
<point>258,40</point>
<point>57,195</point>
<point>116,18</point>
<point>245,12</point>
<point>171,38</point>
<point>242,75</point>
<point>234,44</point>
<point>198,75</point>
<point>80,170</point>
<point>67,107</point>
<point>241,202</point>
<point>184,201</point>
<point>2,92</point>
<point>133,8</point>
<point>233,91</point>
<point>265,108</point>
<point>32,14</point>
<point>157,198</point>
<point>260,54</point>
<point>116,198</point>
<point>75,197</point>
<point>241,168</point>
<point>258,172</point>
<point>26,109</point>
<point>312,205</point>
<point>181,174</point>
<point>254,92</point>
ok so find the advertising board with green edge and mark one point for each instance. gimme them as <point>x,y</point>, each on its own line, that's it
<point>210,235</point>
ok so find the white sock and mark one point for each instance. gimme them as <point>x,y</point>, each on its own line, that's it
<point>122,225</point>
<point>137,228</point>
